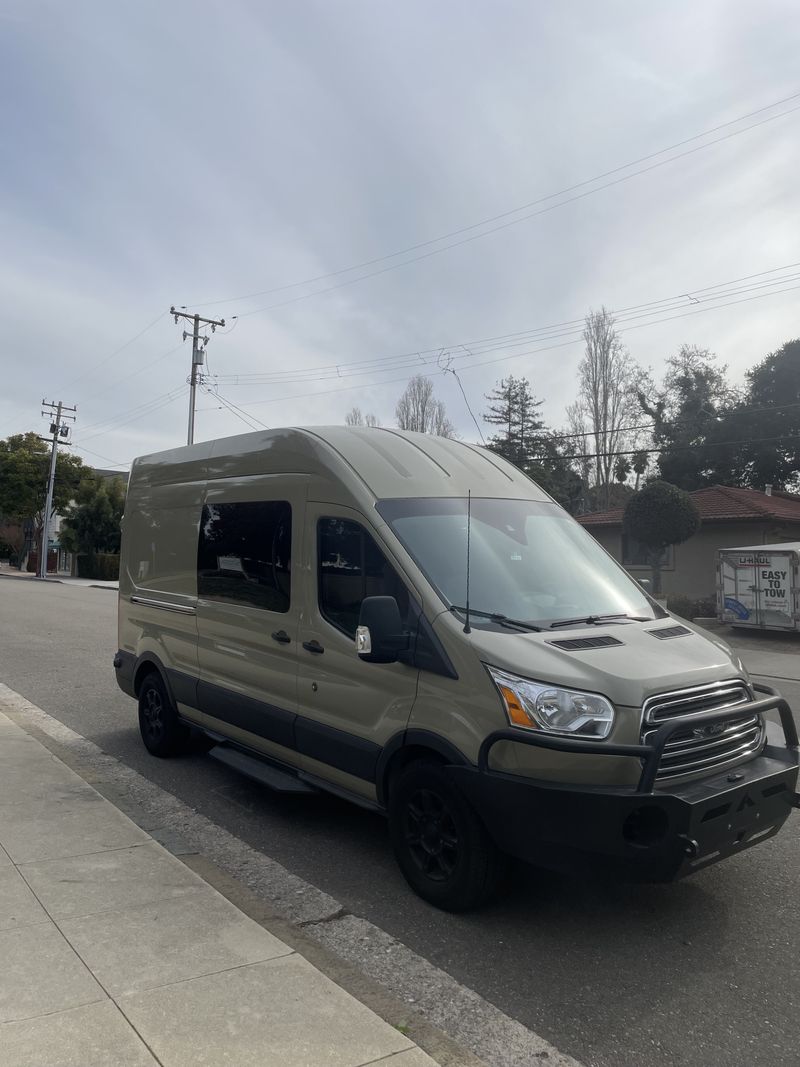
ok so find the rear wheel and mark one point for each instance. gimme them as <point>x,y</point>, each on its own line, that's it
<point>441,845</point>
<point>162,731</point>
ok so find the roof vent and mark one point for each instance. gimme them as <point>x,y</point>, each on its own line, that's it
<point>573,644</point>
<point>666,632</point>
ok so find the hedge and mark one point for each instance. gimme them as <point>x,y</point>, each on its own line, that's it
<point>102,566</point>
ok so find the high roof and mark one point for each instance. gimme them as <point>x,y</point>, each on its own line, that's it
<point>722,503</point>
<point>385,462</point>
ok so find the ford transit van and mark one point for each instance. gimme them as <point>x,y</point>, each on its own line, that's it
<point>412,623</point>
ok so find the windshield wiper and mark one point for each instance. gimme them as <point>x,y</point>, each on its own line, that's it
<point>594,620</point>
<point>503,620</point>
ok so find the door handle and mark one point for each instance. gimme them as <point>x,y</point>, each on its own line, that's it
<point>313,646</point>
<point>281,637</point>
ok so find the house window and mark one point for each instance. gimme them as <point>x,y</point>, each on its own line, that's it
<point>635,554</point>
<point>244,554</point>
<point>351,567</point>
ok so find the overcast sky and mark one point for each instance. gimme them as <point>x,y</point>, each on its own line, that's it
<point>159,153</point>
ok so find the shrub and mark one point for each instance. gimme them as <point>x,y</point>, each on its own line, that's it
<point>687,608</point>
<point>102,566</point>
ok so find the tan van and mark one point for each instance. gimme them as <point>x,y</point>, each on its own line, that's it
<point>300,596</point>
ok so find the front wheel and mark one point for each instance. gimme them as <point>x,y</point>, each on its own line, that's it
<point>162,731</point>
<point>441,845</point>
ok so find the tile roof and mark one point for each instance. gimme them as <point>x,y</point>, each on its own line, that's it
<point>722,503</point>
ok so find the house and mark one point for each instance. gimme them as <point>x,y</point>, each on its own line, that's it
<point>730,517</point>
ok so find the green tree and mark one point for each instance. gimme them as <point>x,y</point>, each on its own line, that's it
<point>622,468</point>
<point>514,410</point>
<point>688,411</point>
<point>24,468</point>
<point>523,439</point>
<point>639,463</point>
<point>765,423</point>
<point>92,522</point>
<point>658,516</point>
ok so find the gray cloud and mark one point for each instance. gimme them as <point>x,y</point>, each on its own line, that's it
<point>195,152</point>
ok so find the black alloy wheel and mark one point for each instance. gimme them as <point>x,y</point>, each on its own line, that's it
<point>431,835</point>
<point>440,843</point>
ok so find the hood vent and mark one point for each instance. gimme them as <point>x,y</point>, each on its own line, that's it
<point>666,632</point>
<point>574,644</point>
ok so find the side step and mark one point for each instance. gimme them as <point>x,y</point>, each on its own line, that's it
<point>266,773</point>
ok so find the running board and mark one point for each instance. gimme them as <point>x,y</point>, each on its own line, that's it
<point>265,773</point>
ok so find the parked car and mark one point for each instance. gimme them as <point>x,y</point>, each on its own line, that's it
<point>412,623</point>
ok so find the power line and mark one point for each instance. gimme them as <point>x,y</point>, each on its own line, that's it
<point>117,351</point>
<point>676,448</point>
<point>514,211</point>
<point>139,370</point>
<point>157,403</point>
<point>250,421</point>
<point>517,355</point>
<point>113,418</point>
<point>99,455</point>
<point>517,338</point>
<point>514,222</point>
<point>149,409</point>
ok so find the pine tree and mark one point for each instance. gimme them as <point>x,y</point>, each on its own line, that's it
<point>514,409</point>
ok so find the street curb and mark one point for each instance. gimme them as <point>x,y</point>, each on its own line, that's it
<point>55,581</point>
<point>27,578</point>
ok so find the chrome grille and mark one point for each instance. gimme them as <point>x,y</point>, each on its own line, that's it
<point>703,747</point>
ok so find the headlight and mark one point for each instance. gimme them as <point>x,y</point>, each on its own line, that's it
<point>547,707</point>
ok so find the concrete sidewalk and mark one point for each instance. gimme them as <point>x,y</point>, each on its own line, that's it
<point>57,579</point>
<point>112,951</point>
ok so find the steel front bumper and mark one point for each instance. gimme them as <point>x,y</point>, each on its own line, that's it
<point>650,833</point>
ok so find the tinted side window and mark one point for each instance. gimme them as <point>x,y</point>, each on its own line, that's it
<point>244,553</point>
<point>351,567</point>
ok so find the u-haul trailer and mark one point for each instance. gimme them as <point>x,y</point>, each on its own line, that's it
<point>758,586</point>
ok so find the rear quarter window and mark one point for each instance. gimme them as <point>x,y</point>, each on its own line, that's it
<point>244,554</point>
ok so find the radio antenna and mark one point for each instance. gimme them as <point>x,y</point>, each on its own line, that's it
<point>467,628</point>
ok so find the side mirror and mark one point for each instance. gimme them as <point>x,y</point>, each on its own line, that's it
<point>380,637</point>
<point>644,583</point>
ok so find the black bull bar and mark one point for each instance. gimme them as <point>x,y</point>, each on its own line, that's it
<point>642,832</point>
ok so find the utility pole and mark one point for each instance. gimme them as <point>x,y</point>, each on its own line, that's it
<point>198,356</point>
<point>59,429</point>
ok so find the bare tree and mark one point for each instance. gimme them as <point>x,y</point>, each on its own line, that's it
<point>576,428</point>
<point>607,380</point>
<point>419,410</point>
<point>354,417</point>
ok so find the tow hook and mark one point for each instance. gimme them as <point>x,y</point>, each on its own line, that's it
<point>691,847</point>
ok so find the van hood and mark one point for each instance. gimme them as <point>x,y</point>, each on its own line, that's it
<point>640,666</point>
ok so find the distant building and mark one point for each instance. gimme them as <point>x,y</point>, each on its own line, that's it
<point>730,517</point>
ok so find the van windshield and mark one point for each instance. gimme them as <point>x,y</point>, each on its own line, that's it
<point>529,560</point>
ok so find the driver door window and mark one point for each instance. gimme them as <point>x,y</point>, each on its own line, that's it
<point>350,568</point>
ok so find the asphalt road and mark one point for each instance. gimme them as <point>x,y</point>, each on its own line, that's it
<point>704,971</point>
